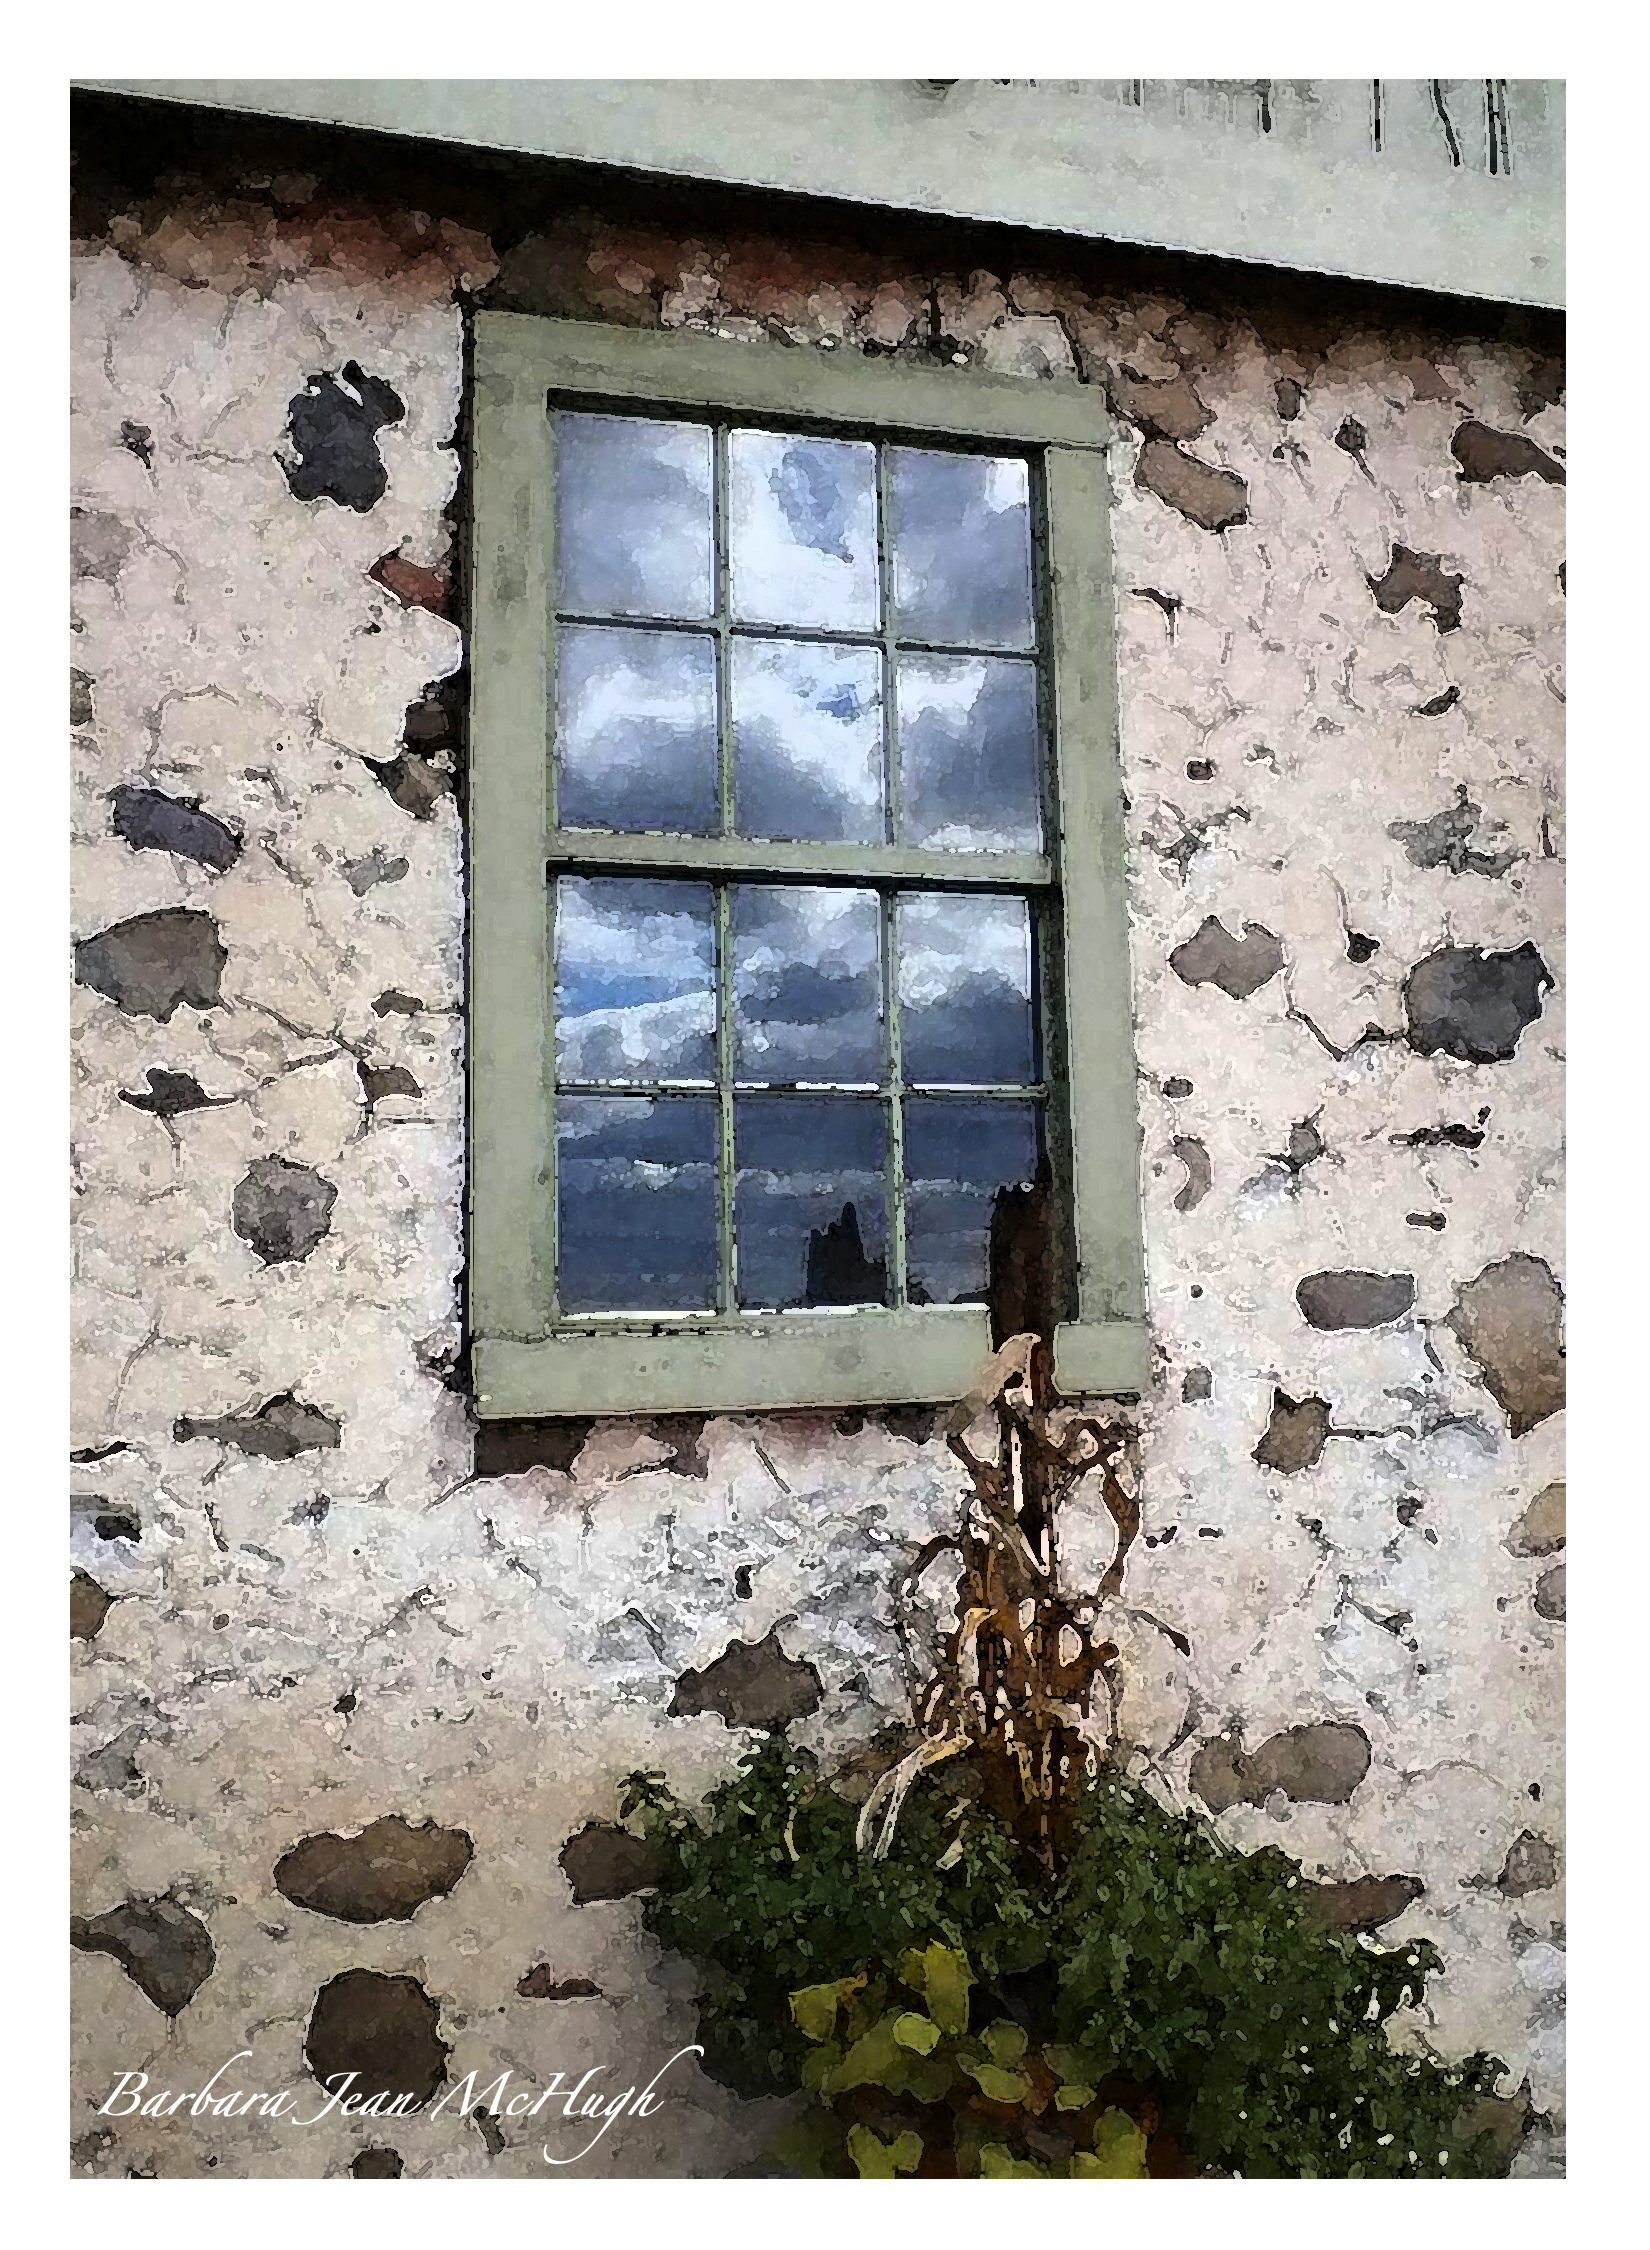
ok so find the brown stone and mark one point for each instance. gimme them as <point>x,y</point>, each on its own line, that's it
<point>1354,1300</point>
<point>1366,1903</point>
<point>385,1874</point>
<point>385,2029</point>
<point>1214,499</point>
<point>1540,1529</point>
<point>1240,966</point>
<point>1296,1435</point>
<point>89,1605</point>
<point>1510,1320</point>
<point>1531,1864</point>
<point>542,1983</point>
<point>602,1861</point>
<point>751,1684</point>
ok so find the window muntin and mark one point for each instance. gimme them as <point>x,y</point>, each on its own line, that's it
<point>854,688</point>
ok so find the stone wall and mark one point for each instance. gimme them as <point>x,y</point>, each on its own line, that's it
<point>1340,576</point>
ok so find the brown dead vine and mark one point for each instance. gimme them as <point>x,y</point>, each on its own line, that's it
<point>1026,1682</point>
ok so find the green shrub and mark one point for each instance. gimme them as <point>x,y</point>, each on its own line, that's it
<point>1186,1986</point>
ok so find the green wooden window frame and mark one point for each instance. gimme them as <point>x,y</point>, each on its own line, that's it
<point>526,1360</point>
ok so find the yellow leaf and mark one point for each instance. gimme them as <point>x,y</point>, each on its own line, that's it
<point>997,2084</point>
<point>813,2010</point>
<point>1119,2148</point>
<point>917,2033</point>
<point>944,1978</point>
<point>1073,2097</point>
<point>997,2164</point>
<point>877,2159</point>
<point>1005,2042</point>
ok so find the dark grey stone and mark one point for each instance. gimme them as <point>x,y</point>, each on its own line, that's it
<point>1354,1300</point>
<point>385,2029</point>
<point>165,1950</point>
<point>333,423</point>
<point>155,963</point>
<point>1510,1321</point>
<point>281,1428</point>
<point>383,1875</point>
<point>152,822</point>
<point>1474,1005</point>
<point>1296,1435</point>
<point>173,1093</point>
<point>283,1210</point>
<point>602,1861</point>
<point>1531,1864</point>
<point>1446,840</point>
<point>1239,966</point>
<point>1412,577</point>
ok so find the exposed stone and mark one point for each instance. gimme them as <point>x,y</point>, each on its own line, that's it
<point>1240,966</point>
<point>1031,346</point>
<point>150,821</point>
<point>602,1861</point>
<point>377,2164</point>
<point>915,1424</point>
<point>1196,1384</point>
<point>85,2151</point>
<point>1353,438</point>
<point>1531,1864</point>
<point>283,1210</point>
<point>118,1523</point>
<point>1212,498</point>
<point>81,713</point>
<point>1549,1595</point>
<point>139,440</point>
<point>413,586</point>
<point>333,423</point>
<point>384,1874</point>
<point>1437,705</point>
<point>1411,577</point>
<point>506,1448</point>
<point>684,1434</point>
<point>281,1428</point>
<point>380,1080</point>
<point>1289,396</point>
<point>1540,1529</point>
<point>154,963</point>
<point>414,782</point>
<point>1176,1089</point>
<point>1510,1321</point>
<point>1306,1145</point>
<point>1321,1764</point>
<point>1296,1435</point>
<point>1169,410</point>
<point>1541,386</point>
<point>1199,1172</point>
<point>1354,1300</point>
<point>89,1605</point>
<point>1366,1903</point>
<point>1484,453</point>
<point>1441,1136</point>
<point>1474,1005</point>
<point>165,1950</point>
<point>113,1767</point>
<point>751,1684</point>
<point>385,2029</point>
<point>98,544</point>
<point>173,1093</point>
<point>1360,947</point>
<point>1446,840</point>
<point>375,867</point>
<point>542,1983</point>
<point>393,1003</point>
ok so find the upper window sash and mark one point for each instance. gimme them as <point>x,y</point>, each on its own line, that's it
<point>525,1361</point>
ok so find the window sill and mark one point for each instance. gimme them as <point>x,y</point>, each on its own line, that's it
<point>789,1361</point>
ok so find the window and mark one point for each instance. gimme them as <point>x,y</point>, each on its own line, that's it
<point>795,832</point>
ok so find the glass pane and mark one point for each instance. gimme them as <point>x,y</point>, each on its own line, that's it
<point>636,729</point>
<point>957,1155</point>
<point>635,993</point>
<point>968,753</point>
<point>807,741</point>
<point>803,547</point>
<point>636,1201</point>
<point>807,986</point>
<point>962,548</point>
<point>965,990</point>
<point>810,1214</point>
<point>632,516</point>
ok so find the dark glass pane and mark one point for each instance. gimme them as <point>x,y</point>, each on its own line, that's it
<point>809,1202</point>
<point>632,516</point>
<point>807,741</point>
<point>962,548</point>
<point>965,990</point>
<point>636,1196</point>
<point>968,753</point>
<point>803,531</point>
<point>635,729</point>
<point>957,1155</point>
<point>635,992</point>
<point>807,986</point>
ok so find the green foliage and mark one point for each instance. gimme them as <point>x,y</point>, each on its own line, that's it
<point>1003,2021</point>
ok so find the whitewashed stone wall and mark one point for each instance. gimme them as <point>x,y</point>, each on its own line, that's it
<point>321,1618</point>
